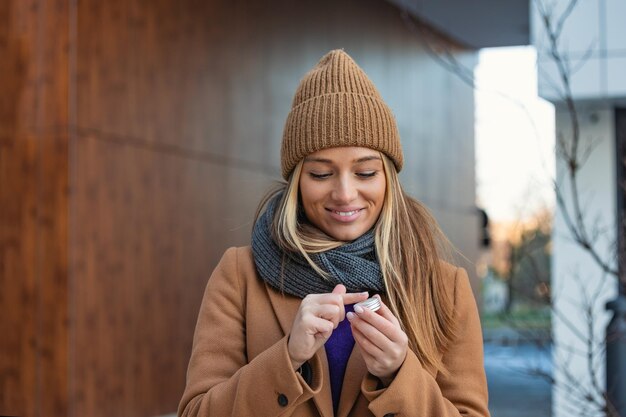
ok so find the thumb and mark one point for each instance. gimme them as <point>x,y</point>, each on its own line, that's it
<point>339,289</point>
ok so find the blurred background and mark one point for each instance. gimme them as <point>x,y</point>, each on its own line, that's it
<point>137,138</point>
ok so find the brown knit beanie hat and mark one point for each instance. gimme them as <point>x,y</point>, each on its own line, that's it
<point>336,104</point>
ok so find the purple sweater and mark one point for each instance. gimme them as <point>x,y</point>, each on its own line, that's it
<point>338,349</point>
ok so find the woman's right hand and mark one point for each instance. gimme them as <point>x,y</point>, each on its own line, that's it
<point>317,317</point>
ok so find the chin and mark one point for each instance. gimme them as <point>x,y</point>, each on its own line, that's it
<point>345,235</point>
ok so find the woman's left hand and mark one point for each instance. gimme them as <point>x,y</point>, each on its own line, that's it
<point>382,341</point>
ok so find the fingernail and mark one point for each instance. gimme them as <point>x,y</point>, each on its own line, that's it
<point>358,309</point>
<point>365,293</point>
<point>350,315</point>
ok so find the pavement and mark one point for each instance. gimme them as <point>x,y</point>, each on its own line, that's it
<point>516,388</point>
<point>512,336</point>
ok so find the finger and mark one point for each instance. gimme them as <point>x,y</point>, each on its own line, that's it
<point>330,312</point>
<point>331,299</point>
<point>366,345</point>
<point>354,297</point>
<point>385,359</point>
<point>386,312</point>
<point>317,327</point>
<point>370,332</point>
<point>338,298</point>
<point>328,298</point>
<point>382,324</point>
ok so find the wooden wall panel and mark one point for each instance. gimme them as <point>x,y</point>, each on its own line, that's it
<point>18,277</point>
<point>33,207</point>
<point>17,355</point>
<point>33,277</point>
<point>53,319</point>
<point>151,225</point>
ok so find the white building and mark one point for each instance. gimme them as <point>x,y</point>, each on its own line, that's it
<point>593,44</point>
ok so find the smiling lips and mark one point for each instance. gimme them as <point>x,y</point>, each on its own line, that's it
<point>345,216</point>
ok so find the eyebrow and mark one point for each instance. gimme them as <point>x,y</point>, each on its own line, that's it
<point>355,161</point>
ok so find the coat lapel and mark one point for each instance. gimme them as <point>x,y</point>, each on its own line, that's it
<point>351,388</point>
<point>285,308</point>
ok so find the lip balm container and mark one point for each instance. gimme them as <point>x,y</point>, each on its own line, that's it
<point>373,303</point>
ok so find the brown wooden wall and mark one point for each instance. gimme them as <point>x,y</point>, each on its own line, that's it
<point>136,138</point>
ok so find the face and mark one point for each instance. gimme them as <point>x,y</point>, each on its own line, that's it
<point>343,190</point>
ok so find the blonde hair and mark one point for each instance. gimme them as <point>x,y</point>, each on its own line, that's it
<point>409,246</point>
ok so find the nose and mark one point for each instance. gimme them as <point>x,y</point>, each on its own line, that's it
<point>345,191</point>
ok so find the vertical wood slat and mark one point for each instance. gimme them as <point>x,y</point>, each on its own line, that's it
<point>33,207</point>
<point>17,381</point>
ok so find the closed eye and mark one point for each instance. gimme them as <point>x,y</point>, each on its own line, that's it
<point>363,175</point>
<point>319,176</point>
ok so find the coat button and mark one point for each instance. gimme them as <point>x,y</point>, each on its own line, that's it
<point>282,400</point>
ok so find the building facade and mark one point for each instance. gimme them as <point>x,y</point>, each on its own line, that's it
<point>592,43</point>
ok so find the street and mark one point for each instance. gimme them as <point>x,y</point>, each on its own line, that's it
<point>513,391</point>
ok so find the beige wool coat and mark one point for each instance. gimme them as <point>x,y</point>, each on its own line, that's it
<point>240,366</point>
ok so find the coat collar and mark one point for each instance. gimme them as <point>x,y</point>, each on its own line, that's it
<point>285,308</point>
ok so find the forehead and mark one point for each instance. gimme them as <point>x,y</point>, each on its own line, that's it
<point>343,154</point>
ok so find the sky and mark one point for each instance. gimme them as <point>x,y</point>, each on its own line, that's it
<point>514,129</point>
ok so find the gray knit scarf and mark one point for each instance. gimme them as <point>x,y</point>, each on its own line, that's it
<point>353,264</point>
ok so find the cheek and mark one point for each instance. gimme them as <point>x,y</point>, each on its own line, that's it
<point>304,190</point>
<point>378,193</point>
<point>310,193</point>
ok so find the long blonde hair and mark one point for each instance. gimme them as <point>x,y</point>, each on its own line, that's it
<point>409,246</point>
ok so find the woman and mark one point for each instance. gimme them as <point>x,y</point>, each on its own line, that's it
<point>279,331</point>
